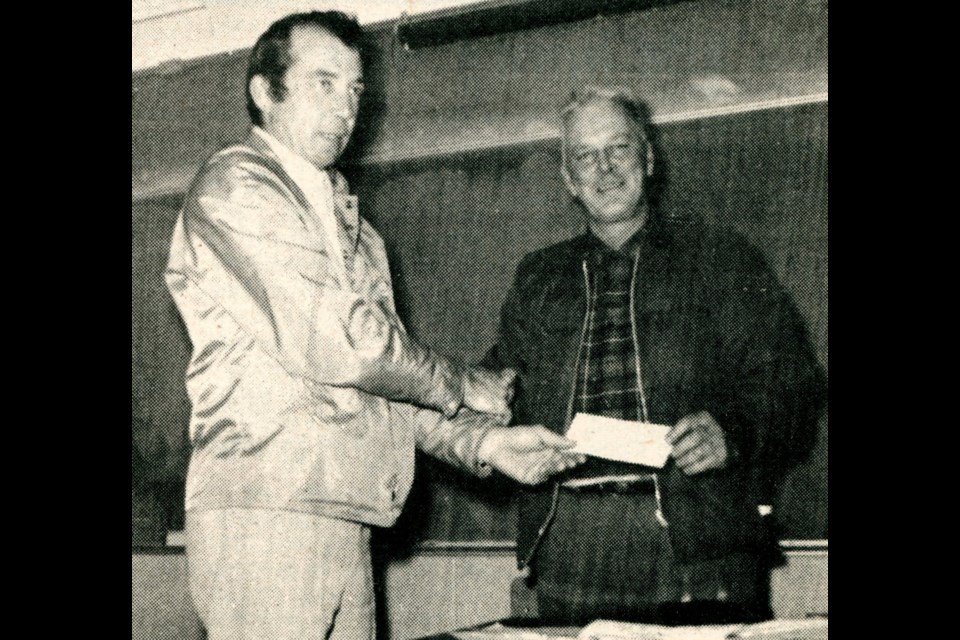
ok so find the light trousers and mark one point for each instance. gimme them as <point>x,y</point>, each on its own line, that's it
<point>259,574</point>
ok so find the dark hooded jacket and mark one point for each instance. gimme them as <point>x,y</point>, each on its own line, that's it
<point>716,333</point>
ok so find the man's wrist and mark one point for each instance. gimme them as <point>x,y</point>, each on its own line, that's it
<point>487,445</point>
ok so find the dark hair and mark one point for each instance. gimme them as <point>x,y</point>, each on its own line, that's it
<point>270,56</point>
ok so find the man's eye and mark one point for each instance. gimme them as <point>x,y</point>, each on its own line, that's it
<point>584,157</point>
<point>357,90</point>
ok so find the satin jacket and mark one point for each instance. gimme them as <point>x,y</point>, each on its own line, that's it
<point>302,377</point>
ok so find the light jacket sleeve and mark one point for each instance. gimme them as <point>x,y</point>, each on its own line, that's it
<point>246,245</point>
<point>456,441</point>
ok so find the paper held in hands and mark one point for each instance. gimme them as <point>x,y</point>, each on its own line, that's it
<point>621,440</point>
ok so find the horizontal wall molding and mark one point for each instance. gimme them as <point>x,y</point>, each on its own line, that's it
<point>176,541</point>
<point>176,180</point>
<point>551,134</point>
<point>761,105</point>
<point>448,547</point>
<point>804,545</point>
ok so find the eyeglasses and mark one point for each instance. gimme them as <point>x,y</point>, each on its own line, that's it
<point>619,153</point>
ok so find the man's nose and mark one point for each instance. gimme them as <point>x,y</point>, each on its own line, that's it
<point>345,106</point>
<point>342,117</point>
<point>344,109</point>
<point>603,161</point>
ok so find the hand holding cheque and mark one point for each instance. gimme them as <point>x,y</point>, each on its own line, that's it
<point>529,454</point>
<point>696,441</point>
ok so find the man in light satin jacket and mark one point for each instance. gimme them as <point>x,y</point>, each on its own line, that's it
<point>308,396</point>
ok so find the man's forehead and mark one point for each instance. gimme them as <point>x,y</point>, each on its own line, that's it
<point>319,49</point>
<point>598,118</point>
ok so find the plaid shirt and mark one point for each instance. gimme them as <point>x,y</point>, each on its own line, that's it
<point>607,376</point>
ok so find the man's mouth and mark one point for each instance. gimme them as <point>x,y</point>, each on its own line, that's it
<point>332,137</point>
<point>613,185</point>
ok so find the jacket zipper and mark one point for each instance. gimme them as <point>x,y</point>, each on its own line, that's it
<point>641,391</point>
<point>573,390</point>
<point>661,518</point>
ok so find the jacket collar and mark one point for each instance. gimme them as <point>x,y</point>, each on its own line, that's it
<point>344,204</point>
<point>654,234</point>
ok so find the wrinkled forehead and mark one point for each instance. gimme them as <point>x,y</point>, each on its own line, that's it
<point>598,119</point>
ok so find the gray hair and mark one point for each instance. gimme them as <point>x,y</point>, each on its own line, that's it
<point>635,109</point>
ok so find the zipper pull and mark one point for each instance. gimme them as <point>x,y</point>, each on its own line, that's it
<point>663,521</point>
<point>659,512</point>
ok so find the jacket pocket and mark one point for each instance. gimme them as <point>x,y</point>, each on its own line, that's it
<point>710,515</point>
<point>341,408</point>
<point>352,470</point>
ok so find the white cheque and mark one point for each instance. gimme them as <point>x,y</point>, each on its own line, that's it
<point>621,440</point>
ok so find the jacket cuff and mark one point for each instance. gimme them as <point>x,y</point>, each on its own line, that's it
<point>480,427</point>
<point>734,454</point>
<point>451,389</point>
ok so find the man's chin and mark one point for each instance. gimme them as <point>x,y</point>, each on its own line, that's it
<point>614,215</point>
<point>608,212</point>
<point>323,158</point>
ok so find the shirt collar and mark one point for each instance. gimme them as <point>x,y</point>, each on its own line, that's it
<point>652,234</point>
<point>305,174</point>
<point>302,171</point>
<point>599,250</point>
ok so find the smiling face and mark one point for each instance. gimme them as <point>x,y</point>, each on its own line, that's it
<point>318,110</point>
<point>607,161</point>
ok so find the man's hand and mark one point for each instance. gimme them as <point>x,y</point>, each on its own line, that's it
<point>528,454</point>
<point>489,391</point>
<point>698,443</point>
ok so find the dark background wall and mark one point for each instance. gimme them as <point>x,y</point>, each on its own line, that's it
<point>458,170</point>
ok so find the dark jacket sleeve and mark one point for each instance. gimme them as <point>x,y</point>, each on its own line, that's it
<point>775,387</point>
<point>508,351</point>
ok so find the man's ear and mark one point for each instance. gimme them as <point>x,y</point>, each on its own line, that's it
<point>260,92</point>
<point>650,158</point>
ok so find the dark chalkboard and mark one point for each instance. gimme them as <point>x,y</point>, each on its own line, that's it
<point>456,227</point>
